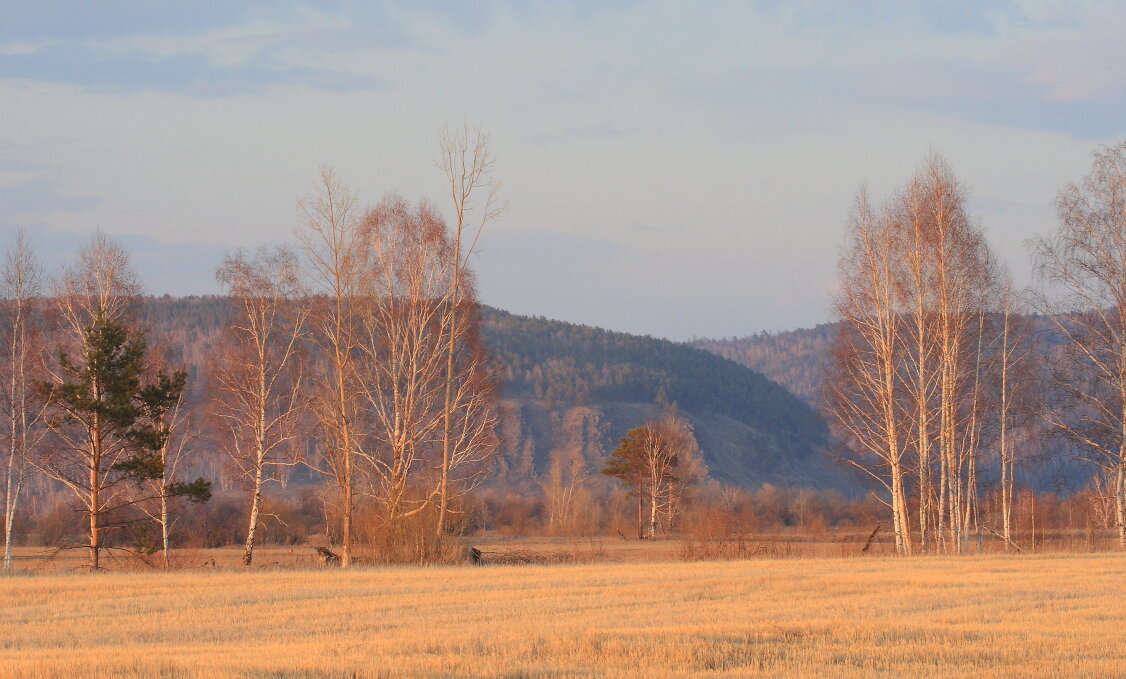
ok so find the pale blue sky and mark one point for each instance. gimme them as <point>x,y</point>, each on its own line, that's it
<point>671,168</point>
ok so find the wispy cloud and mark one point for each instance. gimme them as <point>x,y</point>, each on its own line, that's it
<point>264,47</point>
<point>183,73</point>
<point>29,187</point>
<point>660,158</point>
<point>256,38</point>
<point>23,48</point>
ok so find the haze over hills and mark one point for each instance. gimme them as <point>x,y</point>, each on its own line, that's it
<point>577,389</point>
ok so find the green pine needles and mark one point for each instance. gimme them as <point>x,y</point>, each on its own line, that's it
<point>106,411</point>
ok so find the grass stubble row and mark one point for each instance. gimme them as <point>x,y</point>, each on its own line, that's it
<point>992,616</point>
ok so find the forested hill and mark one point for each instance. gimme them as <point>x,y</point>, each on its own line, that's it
<point>574,390</point>
<point>800,360</point>
<point>796,359</point>
<point>567,384</point>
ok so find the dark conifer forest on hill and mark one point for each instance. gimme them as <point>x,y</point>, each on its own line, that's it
<point>797,359</point>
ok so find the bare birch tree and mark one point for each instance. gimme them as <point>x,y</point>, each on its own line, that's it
<point>259,377</point>
<point>467,161</point>
<point>964,281</point>
<point>562,485</point>
<point>101,283</point>
<point>1014,397</point>
<point>404,351</point>
<point>864,393</point>
<point>336,259</point>
<point>1084,263</point>
<point>690,468</point>
<point>162,491</point>
<point>419,449</point>
<point>24,356</point>
<point>917,284</point>
<point>916,292</point>
<point>661,445</point>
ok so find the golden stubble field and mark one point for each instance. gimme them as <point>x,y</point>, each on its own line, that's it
<point>988,616</point>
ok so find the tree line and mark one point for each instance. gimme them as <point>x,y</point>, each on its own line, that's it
<point>938,377</point>
<point>354,353</point>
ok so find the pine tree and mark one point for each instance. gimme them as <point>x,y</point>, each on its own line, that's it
<point>108,425</point>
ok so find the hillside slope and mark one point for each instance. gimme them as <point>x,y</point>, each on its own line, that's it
<point>580,388</point>
<point>577,389</point>
<point>796,359</point>
<point>800,360</point>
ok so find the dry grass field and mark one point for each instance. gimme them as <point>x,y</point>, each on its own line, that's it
<point>988,616</point>
<point>45,560</point>
<point>509,550</point>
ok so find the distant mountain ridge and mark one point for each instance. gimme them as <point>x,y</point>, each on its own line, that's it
<point>801,359</point>
<point>796,359</point>
<point>576,389</point>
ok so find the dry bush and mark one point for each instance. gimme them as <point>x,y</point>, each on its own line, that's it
<point>514,514</point>
<point>575,551</point>
<point>53,522</point>
<point>217,523</point>
<point>738,547</point>
<point>721,523</point>
<point>410,539</point>
<point>721,531</point>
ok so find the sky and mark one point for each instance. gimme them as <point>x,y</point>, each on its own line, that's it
<point>670,168</point>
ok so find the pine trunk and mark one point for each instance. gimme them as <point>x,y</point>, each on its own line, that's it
<point>640,515</point>
<point>95,546</point>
